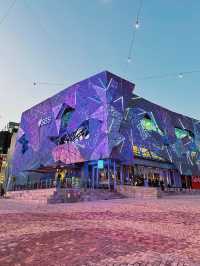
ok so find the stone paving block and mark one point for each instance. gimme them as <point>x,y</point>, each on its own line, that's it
<point>112,232</point>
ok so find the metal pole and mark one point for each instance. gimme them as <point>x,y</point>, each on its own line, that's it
<point>93,176</point>
<point>97,178</point>
<point>109,174</point>
<point>114,170</point>
<point>121,174</point>
<point>127,171</point>
<point>9,178</point>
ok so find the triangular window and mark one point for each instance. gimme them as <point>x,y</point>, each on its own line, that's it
<point>149,124</point>
<point>183,133</point>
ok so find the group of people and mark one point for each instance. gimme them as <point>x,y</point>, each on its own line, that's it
<point>140,181</point>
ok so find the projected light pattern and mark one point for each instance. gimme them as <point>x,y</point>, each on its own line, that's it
<point>99,118</point>
<point>79,129</point>
<point>149,124</point>
<point>171,137</point>
<point>182,133</point>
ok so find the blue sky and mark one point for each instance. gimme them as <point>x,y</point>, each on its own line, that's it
<point>68,40</point>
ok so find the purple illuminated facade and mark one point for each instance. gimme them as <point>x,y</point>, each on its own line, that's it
<point>100,118</point>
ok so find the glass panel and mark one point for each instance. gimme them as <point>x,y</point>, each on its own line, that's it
<point>149,125</point>
<point>182,133</point>
<point>146,153</point>
<point>136,150</point>
<point>66,117</point>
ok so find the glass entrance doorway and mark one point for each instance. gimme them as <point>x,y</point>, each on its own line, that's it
<point>107,176</point>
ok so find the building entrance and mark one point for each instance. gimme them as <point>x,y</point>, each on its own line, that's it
<point>107,176</point>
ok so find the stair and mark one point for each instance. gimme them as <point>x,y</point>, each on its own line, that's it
<point>77,195</point>
<point>65,195</point>
<point>139,192</point>
<point>100,194</point>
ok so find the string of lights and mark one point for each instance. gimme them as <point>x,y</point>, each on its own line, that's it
<point>136,27</point>
<point>35,83</point>
<point>7,11</point>
<point>180,75</point>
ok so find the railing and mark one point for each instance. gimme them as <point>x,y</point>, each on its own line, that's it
<point>51,183</point>
<point>178,189</point>
<point>43,184</point>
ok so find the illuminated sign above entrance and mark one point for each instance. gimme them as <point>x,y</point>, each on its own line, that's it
<point>100,164</point>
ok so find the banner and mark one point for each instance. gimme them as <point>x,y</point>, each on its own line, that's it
<point>196,182</point>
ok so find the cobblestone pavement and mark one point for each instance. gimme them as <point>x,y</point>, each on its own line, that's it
<point>115,233</point>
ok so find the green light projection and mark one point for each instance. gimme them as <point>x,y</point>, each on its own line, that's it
<point>182,133</point>
<point>66,117</point>
<point>149,125</point>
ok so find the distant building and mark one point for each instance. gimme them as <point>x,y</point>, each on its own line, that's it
<point>13,127</point>
<point>101,131</point>
<point>5,139</point>
<point>6,135</point>
<point>7,144</point>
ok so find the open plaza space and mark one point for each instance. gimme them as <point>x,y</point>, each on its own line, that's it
<point>110,232</point>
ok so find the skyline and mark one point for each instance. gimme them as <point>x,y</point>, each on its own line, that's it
<point>69,41</point>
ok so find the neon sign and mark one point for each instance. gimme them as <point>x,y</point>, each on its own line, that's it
<point>100,164</point>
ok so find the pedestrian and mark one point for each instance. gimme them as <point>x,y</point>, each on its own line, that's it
<point>2,191</point>
<point>162,185</point>
<point>58,181</point>
<point>146,184</point>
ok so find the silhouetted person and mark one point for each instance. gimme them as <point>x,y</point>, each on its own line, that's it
<point>162,185</point>
<point>2,191</point>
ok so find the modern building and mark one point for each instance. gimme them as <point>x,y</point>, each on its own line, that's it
<point>101,132</point>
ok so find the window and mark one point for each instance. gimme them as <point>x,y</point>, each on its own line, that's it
<point>147,124</point>
<point>182,133</point>
<point>146,153</point>
<point>66,117</point>
<point>150,125</point>
<point>136,150</point>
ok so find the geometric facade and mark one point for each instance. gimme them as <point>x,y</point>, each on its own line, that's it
<point>101,118</point>
<point>169,136</point>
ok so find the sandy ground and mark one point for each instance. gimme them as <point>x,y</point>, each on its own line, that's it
<point>115,232</point>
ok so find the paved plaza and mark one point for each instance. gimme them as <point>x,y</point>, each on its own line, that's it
<point>115,232</point>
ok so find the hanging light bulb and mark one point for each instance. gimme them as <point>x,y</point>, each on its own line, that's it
<point>180,75</point>
<point>137,24</point>
<point>129,59</point>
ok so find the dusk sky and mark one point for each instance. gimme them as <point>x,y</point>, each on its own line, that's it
<point>65,41</point>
